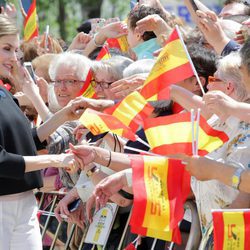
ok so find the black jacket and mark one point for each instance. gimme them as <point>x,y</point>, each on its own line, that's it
<point>17,139</point>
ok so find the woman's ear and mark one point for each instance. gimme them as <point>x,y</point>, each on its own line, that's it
<point>229,88</point>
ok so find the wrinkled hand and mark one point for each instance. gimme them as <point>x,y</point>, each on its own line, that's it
<point>209,24</point>
<point>77,217</point>
<point>153,23</point>
<point>90,205</point>
<point>114,30</point>
<point>219,103</point>
<point>80,41</point>
<point>70,162</point>
<point>125,86</point>
<point>43,88</point>
<point>62,206</point>
<point>9,10</point>
<point>83,153</point>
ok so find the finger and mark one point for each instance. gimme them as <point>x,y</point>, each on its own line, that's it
<point>58,217</point>
<point>65,210</point>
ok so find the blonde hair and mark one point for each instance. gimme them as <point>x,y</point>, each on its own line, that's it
<point>228,71</point>
<point>7,26</point>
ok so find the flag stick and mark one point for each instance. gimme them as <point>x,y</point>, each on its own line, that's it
<point>143,142</point>
<point>190,60</point>
<point>197,132</point>
<point>46,37</point>
<point>192,122</point>
<point>140,151</point>
<point>154,244</point>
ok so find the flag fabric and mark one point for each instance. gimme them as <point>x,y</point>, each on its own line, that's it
<point>87,90</point>
<point>171,235</point>
<point>173,134</point>
<point>104,53</point>
<point>120,43</point>
<point>132,110</point>
<point>30,22</point>
<point>99,123</point>
<point>231,229</point>
<point>172,66</point>
<point>158,193</point>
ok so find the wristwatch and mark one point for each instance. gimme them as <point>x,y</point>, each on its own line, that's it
<point>236,178</point>
<point>91,171</point>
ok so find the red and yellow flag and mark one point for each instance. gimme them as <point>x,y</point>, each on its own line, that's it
<point>171,235</point>
<point>99,123</point>
<point>30,23</point>
<point>87,90</point>
<point>173,134</point>
<point>104,53</point>
<point>172,66</point>
<point>159,194</point>
<point>120,43</point>
<point>231,229</point>
<point>132,110</point>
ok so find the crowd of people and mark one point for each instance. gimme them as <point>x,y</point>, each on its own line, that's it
<point>58,152</point>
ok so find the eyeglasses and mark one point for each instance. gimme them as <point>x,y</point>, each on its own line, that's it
<point>212,79</point>
<point>103,85</point>
<point>67,83</point>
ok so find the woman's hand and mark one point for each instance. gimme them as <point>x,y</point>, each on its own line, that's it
<point>80,41</point>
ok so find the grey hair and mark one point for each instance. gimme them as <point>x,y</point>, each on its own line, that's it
<point>228,71</point>
<point>114,66</point>
<point>139,67</point>
<point>78,63</point>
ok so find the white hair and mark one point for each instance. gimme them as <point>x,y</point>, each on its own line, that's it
<point>228,71</point>
<point>79,64</point>
<point>139,67</point>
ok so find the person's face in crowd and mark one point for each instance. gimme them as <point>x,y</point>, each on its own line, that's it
<point>191,84</point>
<point>134,38</point>
<point>102,83</point>
<point>215,83</point>
<point>232,9</point>
<point>245,77</point>
<point>67,85</point>
<point>8,48</point>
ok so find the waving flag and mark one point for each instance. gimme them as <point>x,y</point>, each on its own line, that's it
<point>120,43</point>
<point>99,123</point>
<point>172,66</point>
<point>158,192</point>
<point>30,22</point>
<point>173,134</point>
<point>231,229</point>
<point>131,111</point>
<point>104,54</point>
<point>87,90</point>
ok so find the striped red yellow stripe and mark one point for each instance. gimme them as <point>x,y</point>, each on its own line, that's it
<point>132,110</point>
<point>158,193</point>
<point>172,66</point>
<point>87,90</point>
<point>173,134</point>
<point>120,43</point>
<point>104,54</point>
<point>30,23</point>
<point>99,123</point>
<point>231,229</point>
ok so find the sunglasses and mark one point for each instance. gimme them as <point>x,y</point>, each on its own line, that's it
<point>212,79</point>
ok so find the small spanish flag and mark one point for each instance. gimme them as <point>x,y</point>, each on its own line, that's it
<point>120,43</point>
<point>159,195</point>
<point>132,110</point>
<point>171,235</point>
<point>99,123</point>
<point>30,23</point>
<point>87,90</point>
<point>231,229</point>
<point>104,53</point>
<point>173,134</point>
<point>172,66</point>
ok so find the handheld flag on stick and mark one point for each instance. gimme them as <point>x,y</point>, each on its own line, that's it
<point>104,54</point>
<point>87,90</point>
<point>131,111</point>
<point>173,134</point>
<point>172,66</point>
<point>120,43</point>
<point>99,123</point>
<point>30,22</point>
<point>231,229</point>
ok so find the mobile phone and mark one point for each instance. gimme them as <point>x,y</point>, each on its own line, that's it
<point>195,8</point>
<point>46,42</point>
<point>30,69</point>
<point>74,205</point>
